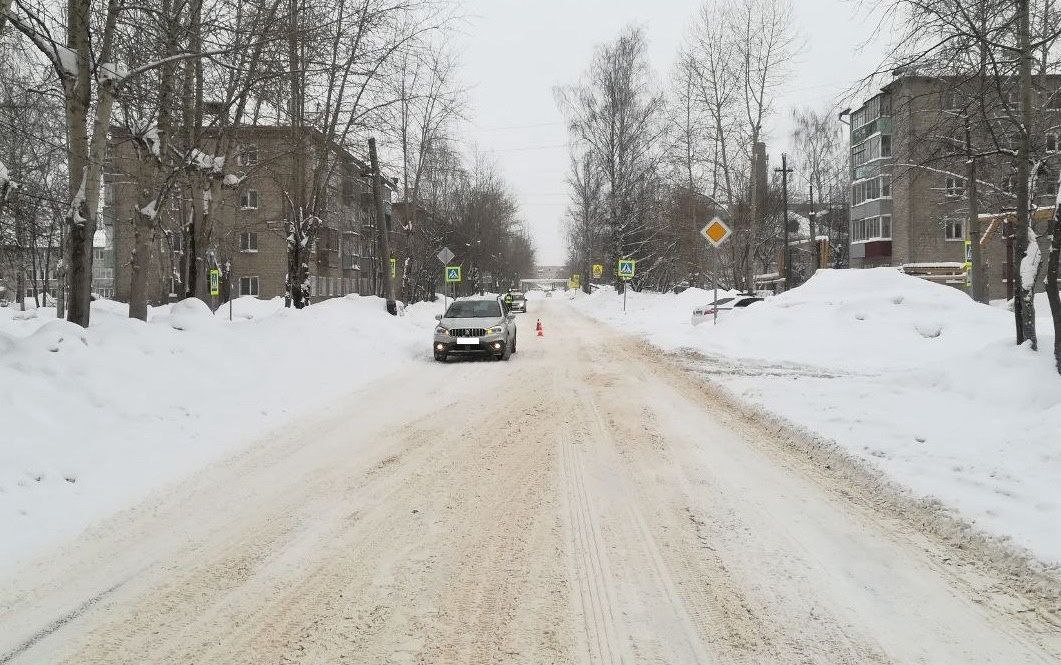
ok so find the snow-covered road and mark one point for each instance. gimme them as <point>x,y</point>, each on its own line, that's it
<point>587,502</point>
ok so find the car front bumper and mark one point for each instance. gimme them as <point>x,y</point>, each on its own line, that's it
<point>488,344</point>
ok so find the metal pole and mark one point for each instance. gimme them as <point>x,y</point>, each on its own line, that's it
<point>784,198</point>
<point>625,287</point>
<point>715,307</point>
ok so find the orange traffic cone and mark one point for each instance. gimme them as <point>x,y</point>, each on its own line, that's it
<point>540,329</point>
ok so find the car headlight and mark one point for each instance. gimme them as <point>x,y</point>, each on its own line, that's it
<point>496,330</point>
<point>441,330</point>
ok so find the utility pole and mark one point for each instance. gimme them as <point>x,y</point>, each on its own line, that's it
<point>977,277</point>
<point>817,263</point>
<point>786,252</point>
<point>381,224</point>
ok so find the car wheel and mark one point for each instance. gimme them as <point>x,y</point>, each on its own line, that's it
<point>507,353</point>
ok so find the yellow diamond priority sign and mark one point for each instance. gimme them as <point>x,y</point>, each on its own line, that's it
<point>716,232</point>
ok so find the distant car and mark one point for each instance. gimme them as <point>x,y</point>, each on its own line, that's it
<point>517,301</point>
<point>475,326</point>
<point>549,293</point>
<point>701,314</point>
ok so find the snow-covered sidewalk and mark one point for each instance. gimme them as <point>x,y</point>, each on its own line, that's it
<point>92,419</point>
<point>912,377</point>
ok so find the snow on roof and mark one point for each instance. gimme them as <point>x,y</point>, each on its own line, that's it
<point>100,240</point>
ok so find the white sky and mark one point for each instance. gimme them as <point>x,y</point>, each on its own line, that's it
<point>516,51</point>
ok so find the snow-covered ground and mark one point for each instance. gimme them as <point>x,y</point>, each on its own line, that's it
<point>92,419</point>
<point>913,377</point>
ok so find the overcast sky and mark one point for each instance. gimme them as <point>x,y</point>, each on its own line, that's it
<point>517,51</point>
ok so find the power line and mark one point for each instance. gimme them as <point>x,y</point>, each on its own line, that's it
<point>512,127</point>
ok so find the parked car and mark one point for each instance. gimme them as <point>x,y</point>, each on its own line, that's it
<point>517,301</point>
<point>475,326</point>
<point>701,314</point>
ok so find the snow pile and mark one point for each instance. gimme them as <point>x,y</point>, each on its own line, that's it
<point>93,419</point>
<point>913,377</point>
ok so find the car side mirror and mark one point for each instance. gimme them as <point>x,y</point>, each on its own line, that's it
<point>510,316</point>
<point>438,317</point>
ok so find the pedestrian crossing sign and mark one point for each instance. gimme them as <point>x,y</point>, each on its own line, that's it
<point>453,274</point>
<point>215,282</point>
<point>627,268</point>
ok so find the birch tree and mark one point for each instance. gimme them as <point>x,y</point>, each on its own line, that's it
<point>615,114</point>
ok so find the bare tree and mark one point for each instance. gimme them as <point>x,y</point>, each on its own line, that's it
<point>819,147</point>
<point>764,37</point>
<point>615,114</point>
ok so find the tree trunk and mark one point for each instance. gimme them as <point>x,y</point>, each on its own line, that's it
<point>142,241</point>
<point>1051,282</point>
<point>1027,269</point>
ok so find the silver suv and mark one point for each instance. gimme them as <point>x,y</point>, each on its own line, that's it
<point>475,326</point>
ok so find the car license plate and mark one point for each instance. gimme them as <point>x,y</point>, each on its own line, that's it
<point>467,340</point>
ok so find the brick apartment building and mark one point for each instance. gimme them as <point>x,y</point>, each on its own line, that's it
<point>248,222</point>
<point>908,200</point>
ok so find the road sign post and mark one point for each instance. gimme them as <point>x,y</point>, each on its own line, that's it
<point>444,256</point>
<point>215,282</point>
<point>626,268</point>
<point>716,232</point>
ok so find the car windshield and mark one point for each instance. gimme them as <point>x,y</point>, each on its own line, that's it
<point>721,301</point>
<point>473,309</point>
<point>516,294</point>
<point>746,302</point>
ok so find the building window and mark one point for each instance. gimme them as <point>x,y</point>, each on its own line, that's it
<point>1051,143</point>
<point>1054,102</point>
<point>248,156</point>
<point>248,286</point>
<point>1013,98</point>
<point>955,187</point>
<point>953,228</point>
<point>871,229</point>
<point>248,200</point>
<point>248,242</point>
<point>951,101</point>
<point>1049,185</point>
<point>869,190</point>
<point>885,145</point>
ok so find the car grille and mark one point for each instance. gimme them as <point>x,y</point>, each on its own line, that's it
<point>467,332</point>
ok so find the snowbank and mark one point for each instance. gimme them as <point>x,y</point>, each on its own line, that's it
<point>92,419</point>
<point>913,377</point>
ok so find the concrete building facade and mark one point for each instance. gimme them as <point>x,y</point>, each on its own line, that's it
<point>909,203</point>
<point>248,232</point>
